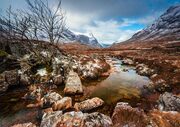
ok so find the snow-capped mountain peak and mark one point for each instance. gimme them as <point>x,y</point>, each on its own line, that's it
<point>69,36</point>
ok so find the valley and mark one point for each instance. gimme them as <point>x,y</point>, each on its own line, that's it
<point>71,80</point>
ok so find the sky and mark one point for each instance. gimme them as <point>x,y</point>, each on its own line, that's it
<point>108,20</point>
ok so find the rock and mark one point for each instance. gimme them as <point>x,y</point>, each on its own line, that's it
<point>165,119</point>
<point>75,119</point>
<point>161,86</point>
<point>97,119</point>
<point>71,119</point>
<point>169,102</point>
<point>35,92</point>
<point>12,77</point>
<point>127,61</point>
<point>24,79</point>
<point>73,84</point>
<point>64,103</point>
<point>125,115</point>
<point>143,69</point>
<point>50,119</point>
<point>25,125</point>
<point>50,98</point>
<point>3,84</point>
<point>58,80</point>
<point>89,104</point>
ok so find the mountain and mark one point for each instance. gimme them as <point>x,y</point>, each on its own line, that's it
<point>167,25</point>
<point>165,29</point>
<point>68,36</point>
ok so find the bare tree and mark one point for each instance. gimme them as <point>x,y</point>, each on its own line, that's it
<point>41,22</point>
<point>49,22</point>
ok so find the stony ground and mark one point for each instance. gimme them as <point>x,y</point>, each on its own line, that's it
<point>53,109</point>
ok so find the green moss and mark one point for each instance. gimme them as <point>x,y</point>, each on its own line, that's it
<point>3,53</point>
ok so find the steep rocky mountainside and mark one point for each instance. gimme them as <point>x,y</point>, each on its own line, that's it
<point>69,36</point>
<point>168,24</point>
<point>164,31</point>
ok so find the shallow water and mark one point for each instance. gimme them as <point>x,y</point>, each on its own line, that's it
<point>120,85</point>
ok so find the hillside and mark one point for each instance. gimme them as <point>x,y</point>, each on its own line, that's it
<point>164,31</point>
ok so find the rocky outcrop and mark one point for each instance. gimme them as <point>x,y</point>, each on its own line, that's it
<point>125,115</point>
<point>64,103</point>
<point>78,119</point>
<point>169,102</point>
<point>73,84</point>
<point>25,125</point>
<point>89,104</point>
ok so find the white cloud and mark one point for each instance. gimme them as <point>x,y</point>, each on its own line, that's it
<point>105,31</point>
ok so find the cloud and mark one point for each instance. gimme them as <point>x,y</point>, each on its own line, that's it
<point>107,31</point>
<point>108,20</point>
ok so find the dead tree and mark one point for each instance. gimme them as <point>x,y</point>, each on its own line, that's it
<point>39,23</point>
<point>50,22</point>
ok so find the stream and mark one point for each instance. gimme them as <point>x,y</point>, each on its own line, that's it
<point>123,84</point>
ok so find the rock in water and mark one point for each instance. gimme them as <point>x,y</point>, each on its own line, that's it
<point>73,84</point>
<point>125,115</point>
<point>62,104</point>
<point>89,104</point>
<point>169,102</point>
<point>75,119</point>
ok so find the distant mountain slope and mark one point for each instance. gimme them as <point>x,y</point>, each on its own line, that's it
<point>166,28</point>
<point>69,36</point>
<point>166,25</point>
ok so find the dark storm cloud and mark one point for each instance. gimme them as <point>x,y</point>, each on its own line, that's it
<point>116,8</point>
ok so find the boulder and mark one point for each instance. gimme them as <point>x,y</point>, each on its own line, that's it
<point>12,77</point>
<point>3,84</point>
<point>89,104</point>
<point>75,119</point>
<point>50,98</point>
<point>24,125</point>
<point>97,119</point>
<point>73,84</point>
<point>125,115</point>
<point>64,103</point>
<point>169,102</point>
<point>50,119</point>
<point>165,118</point>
